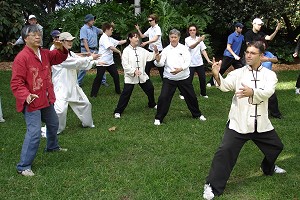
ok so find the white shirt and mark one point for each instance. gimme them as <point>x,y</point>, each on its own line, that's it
<point>105,43</point>
<point>64,76</point>
<point>175,57</point>
<point>242,111</point>
<point>195,52</point>
<point>150,33</point>
<point>130,64</point>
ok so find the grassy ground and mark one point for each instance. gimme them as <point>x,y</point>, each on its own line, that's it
<point>142,161</point>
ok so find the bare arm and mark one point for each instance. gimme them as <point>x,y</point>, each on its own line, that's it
<point>86,46</point>
<point>236,57</point>
<point>270,37</point>
<point>206,57</point>
<point>139,31</point>
<point>154,39</point>
<point>200,39</point>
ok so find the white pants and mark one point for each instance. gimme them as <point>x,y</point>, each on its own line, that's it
<point>81,107</point>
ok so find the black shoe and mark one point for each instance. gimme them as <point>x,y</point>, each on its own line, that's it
<point>56,150</point>
<point>277,116</point>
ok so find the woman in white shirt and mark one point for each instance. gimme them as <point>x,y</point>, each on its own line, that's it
<point>134,60</point>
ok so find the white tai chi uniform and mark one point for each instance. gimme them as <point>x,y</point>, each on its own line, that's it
<point>68,92</point>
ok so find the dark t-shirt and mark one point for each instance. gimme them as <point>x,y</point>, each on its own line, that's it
<point>251,36</point>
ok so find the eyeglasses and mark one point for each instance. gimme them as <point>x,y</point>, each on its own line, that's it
<point>150,20</point>
<point>35,35</point>
<point>251,53</point>
<point>56,37</point>
<point>192,30</point>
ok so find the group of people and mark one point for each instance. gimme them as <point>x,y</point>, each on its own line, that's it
<point>45,83</point>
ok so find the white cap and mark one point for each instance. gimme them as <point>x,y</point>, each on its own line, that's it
<point>66,36</point>
<point>258,21</point>
<point>31,17</point>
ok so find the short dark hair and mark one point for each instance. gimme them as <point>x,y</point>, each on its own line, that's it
<point>154,17</point>
<point>106,26</point>
<point>29,29</point>
<point>257,44</point>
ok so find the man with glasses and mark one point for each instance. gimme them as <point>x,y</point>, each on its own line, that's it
<point>231,54</point>
<point>32,86</point>
<point>248,119</point>
<point>154,34</point>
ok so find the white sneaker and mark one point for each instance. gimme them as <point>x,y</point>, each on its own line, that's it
<point>206,97</point>
<point>2,120</point>
<point>155,107</point>
<point>43,132</point>
<point>279,170</point>
<point>181,97</point>
<point>156,122</point>
<point>207,193</point>
<point>202,118</point>
<point>297,91</point>
<point>26,172</point>
<point>117,115</point>
<point>208,85</point>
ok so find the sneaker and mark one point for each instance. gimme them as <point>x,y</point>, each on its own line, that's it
<point>105,84</point>
<point>43,132</point>
<point>208,85</point>
<point>2,120</point>
<point>56,150</point>
<point>181,97</point>
<point>206,97</point>
<point>202,118</point>
<point>279,170</point>
<point>207,193</point>
<point>26,172</point>
<point>297,91</point>
<point>156,122</point>
<point>117,115</point>
<point>155,107</point>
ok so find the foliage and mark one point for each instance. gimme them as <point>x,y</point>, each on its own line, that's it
<point>141,161</point>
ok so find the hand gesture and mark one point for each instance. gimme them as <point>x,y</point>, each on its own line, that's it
<point>236,57</point>
<point>155,48</point>
<point>201,38</point>
<point>95,56</point>
<point>137,27</point>
<point>176,70</point>
<point>244,91</point>
<point>216,66</point>
<point>137,72</point>
<point>31,97</point>
<point>58,45</point>
<point>278,26</point>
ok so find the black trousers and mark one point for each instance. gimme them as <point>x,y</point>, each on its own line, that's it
<point>112,69</point>
<point>273,106</point>
<point>226,156</point>
<point>298,82</point>
<point>150,65</point>
<point>226,63</point>
<point>200,70</point>
<point>167,92</point>
<point>147,87</point>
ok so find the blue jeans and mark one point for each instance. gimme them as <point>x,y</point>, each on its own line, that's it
<point>33,134</point>
<point>82,73</point>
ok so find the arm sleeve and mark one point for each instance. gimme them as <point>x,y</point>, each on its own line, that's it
<point>77,62</point>
<point>56,56</point>
<point>163,58</point>
<point>128,69</point>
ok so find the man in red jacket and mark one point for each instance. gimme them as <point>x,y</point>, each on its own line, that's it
<point>32,86</point>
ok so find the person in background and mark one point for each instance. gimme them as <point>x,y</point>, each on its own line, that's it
<point>197,47</point>
<point>31,21</point>
<point>154,34</point>
<point>248,119</point>
<point>176,60</point>
<point>55,37</point>
<point>33,89</point>
<point>231,55</point>
<point>107,45</point>
<point>267,61</point>
<point>134,60</point>
<point>89,43</point>
<point>296,53</point>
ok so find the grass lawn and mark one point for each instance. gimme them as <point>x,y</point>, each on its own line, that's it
<point>140,161</point>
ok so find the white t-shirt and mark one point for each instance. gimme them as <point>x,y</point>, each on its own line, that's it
<point>105,43</point>
<point>195,52</point>
<point>150,33</point>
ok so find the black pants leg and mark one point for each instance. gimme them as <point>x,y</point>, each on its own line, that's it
<point>226,63</point>
<point>271,146</point>
<point>97,81</point>
<point>164,101</point>
<point>112,69</point>
<point>273,106</point>
<point>124,98</point>
<point>148,88</point>
<point>298,82</point>
<point>187,90</point>
<point>202,79</point>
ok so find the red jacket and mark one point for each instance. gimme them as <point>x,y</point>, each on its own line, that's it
<point>30,75</point>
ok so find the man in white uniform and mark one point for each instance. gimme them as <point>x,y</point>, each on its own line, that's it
<point>66,88</point>
<point>248,119</point>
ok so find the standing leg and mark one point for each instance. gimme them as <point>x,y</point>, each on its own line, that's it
<point>124,98</point>
<point>202,80</point>
<point>225,159</point>
<point>97,81</point>
<point>187,89</point>
<point>50,118</point>
<point>298,84</point>
<point>148,67</point>
<point>61,109</point>
<point>164,101</point>
<point>273,106</point>
<point>80,76</point>
<point>148,88</point>
<point>271,146</point>
<point>32,139</point>
<point>112,69</point>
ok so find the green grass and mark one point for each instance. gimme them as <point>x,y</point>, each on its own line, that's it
<point>142,161</point>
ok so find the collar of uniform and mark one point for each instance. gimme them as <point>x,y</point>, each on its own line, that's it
<point>156,25</point>
<point>133,48</point>
<point>258,69</point>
